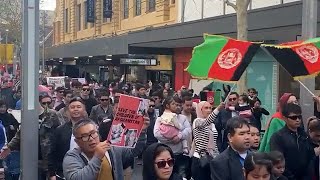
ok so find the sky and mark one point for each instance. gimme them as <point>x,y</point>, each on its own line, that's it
<point>48,5</point>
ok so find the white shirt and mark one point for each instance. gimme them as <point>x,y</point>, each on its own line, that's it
<point>73,144</point>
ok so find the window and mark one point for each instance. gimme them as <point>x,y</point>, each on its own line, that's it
<point>85,16</point>
<point>125,9</point>
<point>78,17</point>
<point>151,5</point>
<point>104,19</point>
<point>138,7</point>
<point>66,21</point>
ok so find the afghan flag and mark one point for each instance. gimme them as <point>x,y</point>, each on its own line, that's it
<point>221,58</point>
<point>300,58</point>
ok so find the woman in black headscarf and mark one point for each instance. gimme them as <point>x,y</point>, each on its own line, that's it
<point>158,162</point>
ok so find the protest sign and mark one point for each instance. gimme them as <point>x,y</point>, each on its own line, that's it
<point>81,80</point>
<point>128,121</point>
<point>56,81</point>
<point>16,114</point>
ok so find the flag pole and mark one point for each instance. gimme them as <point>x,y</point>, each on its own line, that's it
<point>306,88</point>
<point>225,100</point>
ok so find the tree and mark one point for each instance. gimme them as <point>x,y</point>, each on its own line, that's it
<point>241,8</point>
<point>11,19</point>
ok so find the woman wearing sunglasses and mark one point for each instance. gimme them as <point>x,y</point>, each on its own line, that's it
<point>158,162</point>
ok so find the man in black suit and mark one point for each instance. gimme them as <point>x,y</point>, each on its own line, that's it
<point>221,121</point>
<point>229,164</point>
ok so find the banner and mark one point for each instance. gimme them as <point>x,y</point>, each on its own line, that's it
<point>90,11</point>
<point>107,8</point>
<point>128,121</point>
<point>6,53</point>
<point>56,81</point>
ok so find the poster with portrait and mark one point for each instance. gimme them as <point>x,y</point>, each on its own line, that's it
<point>56,81</point>
<point>128,121</point>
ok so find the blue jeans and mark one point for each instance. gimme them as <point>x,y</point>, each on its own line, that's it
<point>12,166</point>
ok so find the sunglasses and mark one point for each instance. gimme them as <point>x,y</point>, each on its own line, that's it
<point>152,106</point>
<point>232,99</point>
<point>85,89</point>
<point>295,117</point>
<point>104,99</point>
<point>46,103</point>
<point>163,164</point>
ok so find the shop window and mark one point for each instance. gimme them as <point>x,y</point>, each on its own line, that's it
<point>138,7</point>
<point>66,21</point>
<point>125,9</point>
<point>151,5</point>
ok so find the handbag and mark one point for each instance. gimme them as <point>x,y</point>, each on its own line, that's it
<point>205,159</point>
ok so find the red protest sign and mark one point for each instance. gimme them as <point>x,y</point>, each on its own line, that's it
<point>128,121</point>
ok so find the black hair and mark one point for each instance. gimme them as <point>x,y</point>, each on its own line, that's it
<point>76,99</point>
<point>257,159</point>
<point>276,157</point>
<point>186,98</point>
<point>234,93</point>
<point>44,96</point>
<point>158,93</point>
<point>76,84</point>
<point>151,99</point>
<point>252,89</point>
<point>314,124</point>
<point>291,108</point>
<point>191,91</point>
<point>253,125</point>
<point>2,103</point>
<point>245,98</point>
<point>149,156</point>
<point>102,93</point>
<point>167,101</point>
<point>66,92</point>
<point>177,99</point>
<point>139,86</point>
<point>235,123</point>
<point>185,93</point>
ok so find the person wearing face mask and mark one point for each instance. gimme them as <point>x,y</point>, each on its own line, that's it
<point>63,140</point>
<point>48,122</point>
<point>158,163</point>
<point>205,140</point>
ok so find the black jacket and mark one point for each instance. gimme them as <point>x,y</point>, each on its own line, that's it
<point>227,166</point>
<point>314,165</point>
<point>297,152</point>
<point>221,123</point>
<point>59,147</point>
<point>257,113</point>
<point>150,136</point>
<point>7,120</point>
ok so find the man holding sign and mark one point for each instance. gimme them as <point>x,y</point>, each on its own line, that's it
<point>98,160</point>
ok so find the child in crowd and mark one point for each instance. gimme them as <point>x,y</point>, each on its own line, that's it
<point>243,108</point>
<point>255,137</point>
<point>170,127</point>
<point>279,163</point>
<point>257,166</point>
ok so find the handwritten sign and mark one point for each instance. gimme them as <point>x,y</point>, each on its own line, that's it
<point>128,121</point>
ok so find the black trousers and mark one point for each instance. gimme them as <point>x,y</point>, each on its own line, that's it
<point>182,165</point>
<point>198,172</point>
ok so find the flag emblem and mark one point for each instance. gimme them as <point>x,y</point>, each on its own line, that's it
<point>308,52</point>
<point>229,58</point>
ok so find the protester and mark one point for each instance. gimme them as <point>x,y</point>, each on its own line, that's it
<point>276,122</point>
<point>85,96</point>
<point>76,87</point>
<point>222,120</point>
<point>67,96</point>
<point>243,108</point>
<point>187,109</point>
<point>205,140</point>
<point>59,92</point>
<point>94,159</point>
<point>314,134</point>
<point>255,138</point>
<point>229,164</point>
<point>158,163</point>
<point>152,115</point>
<point>45,101</point>
<point>105,125</point>
<point>252,94</point>
<point>157,96</point>
<point>257,166</point>
<point>175,143</point>
<point>10,124</point>
<point>293,142</point>
<point>258,111</point>
<point>103,109</point>
<point>278,163</point>
<point>63,139</point>
<point>48,122</point>
<point>141,91</point>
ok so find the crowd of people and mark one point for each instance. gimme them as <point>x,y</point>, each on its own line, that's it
<point>185,135</point>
